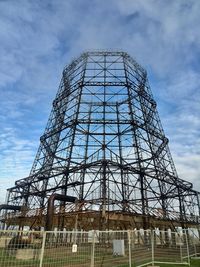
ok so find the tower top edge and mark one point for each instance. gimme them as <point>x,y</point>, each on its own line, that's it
<point>105,52</point>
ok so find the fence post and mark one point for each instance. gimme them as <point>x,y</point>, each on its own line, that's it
<point>93,248</point>
<point>187,246</point>
<point>42,249</point>
<point>152,246</point>
<point>129,247</point>
<point>195,249</point>
<point>181,254</point>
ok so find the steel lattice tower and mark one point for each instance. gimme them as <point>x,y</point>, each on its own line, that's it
<point>104,144</point>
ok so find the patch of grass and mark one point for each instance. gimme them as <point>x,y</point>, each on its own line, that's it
<point>193,262</point>
<point>63,257</point>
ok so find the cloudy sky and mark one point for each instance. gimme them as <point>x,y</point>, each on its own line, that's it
<point>38,38</point>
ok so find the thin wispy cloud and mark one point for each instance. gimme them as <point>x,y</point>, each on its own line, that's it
<point>38,38</point>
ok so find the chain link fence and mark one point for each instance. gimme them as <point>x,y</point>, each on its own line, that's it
<point>97,248</point>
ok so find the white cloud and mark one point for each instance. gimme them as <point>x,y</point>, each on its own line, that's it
<point>15,159</point>
<point>164,33</point>
<point>188,167</point>
<point>37,38</point>
<point>182,124</point>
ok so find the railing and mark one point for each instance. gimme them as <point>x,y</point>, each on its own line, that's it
<point>96,248</point>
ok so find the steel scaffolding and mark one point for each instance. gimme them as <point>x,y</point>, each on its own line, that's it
<point>104,144</point>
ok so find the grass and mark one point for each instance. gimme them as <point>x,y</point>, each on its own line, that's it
<point>63,257</point>
<point>193,262</point>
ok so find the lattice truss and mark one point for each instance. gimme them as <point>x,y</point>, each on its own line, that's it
<point>104,144</point>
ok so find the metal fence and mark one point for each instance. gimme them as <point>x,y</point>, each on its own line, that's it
<point>96,248</point>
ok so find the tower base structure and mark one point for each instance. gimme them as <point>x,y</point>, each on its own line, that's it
<point>94,220</point>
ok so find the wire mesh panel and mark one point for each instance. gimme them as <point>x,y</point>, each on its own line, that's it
<point>193,242</point>
<point>19,248</point>
<point>170,247</point>
<point>67,249</point>
<point>141,247</point>
<point>111,249</point>
<point>96,248</point>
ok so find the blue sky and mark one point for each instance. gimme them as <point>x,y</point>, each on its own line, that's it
<point>38,38</point>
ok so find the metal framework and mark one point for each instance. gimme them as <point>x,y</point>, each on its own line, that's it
<point>104,144</point>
